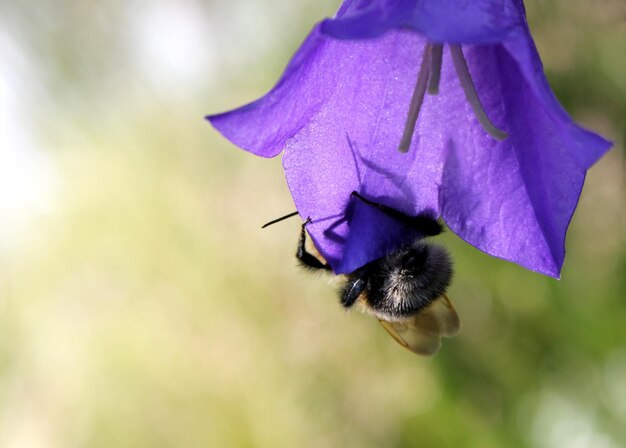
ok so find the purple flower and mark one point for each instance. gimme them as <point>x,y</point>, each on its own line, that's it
<point>458,87</point>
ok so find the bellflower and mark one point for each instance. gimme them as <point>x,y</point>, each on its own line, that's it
<point>437,106</point>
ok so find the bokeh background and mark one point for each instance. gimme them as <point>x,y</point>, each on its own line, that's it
<point>142,306</point>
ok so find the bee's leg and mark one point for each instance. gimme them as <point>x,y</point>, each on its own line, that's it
<point>305,258</point>
<point>425,223</point>
<point>351,291</point>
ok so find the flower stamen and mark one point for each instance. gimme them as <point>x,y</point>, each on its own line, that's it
<point>416,101</point>
<point>436,56</point>
<point>460,65</point>
<point>428,79</point>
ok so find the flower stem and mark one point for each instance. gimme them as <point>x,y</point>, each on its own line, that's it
<point>416,101</point>
<point>435,69</point>
<point>460,65</point>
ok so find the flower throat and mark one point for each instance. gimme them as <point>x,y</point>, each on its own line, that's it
<point>428,80</point>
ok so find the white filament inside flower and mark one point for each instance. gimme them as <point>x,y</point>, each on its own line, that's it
<point>428,78</point>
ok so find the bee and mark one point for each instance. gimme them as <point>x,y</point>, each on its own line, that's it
<point>405,289</point>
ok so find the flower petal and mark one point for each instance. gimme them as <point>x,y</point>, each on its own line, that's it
<point>350,145</point>
<point>264,126</point>
<point>452,21</point>
<point>339,111</point>
<point>584,146</point>
<point>512,199</point>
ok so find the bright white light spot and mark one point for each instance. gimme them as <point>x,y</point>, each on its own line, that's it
<point>173,47</point>
<point>559,423</point>
<point>27,178</point>
<point>615,383</point>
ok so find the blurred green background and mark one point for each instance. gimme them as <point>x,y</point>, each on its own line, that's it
<point>142,306</point>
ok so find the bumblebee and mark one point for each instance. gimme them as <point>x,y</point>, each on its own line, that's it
<point>405,289</point>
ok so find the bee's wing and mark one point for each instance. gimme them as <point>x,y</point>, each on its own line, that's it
<point>411,338</point>
<point>438,318</point>
<point>422,333</point>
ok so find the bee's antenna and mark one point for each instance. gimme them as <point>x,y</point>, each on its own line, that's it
<point>282,218</point>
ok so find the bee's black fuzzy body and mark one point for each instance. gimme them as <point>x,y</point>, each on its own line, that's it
<point>402,283</point>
